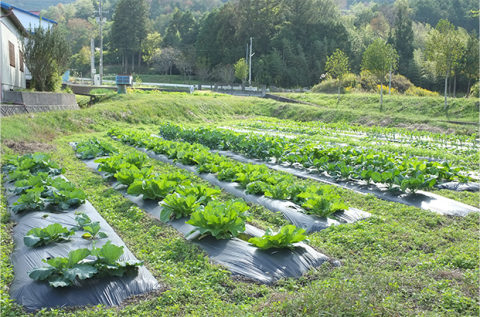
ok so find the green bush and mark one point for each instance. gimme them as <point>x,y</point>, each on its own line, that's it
<point>475,91</point>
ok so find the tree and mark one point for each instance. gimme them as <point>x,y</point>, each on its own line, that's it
<point>378,58</point>
<point>403,37</point>
<point>470,60</point>
<point>150,46</point>
<point>81,60</point>
<point>444,48</point>
<point>337,66</point>
<point>225,73</point>
<point>184,63</point>
<point>202,69</point>
<point>241,69</point>
<point>164,60</point>
<point>47,55</point>
<point>129,28</point>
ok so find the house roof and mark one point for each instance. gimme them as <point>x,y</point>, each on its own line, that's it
<point>14,18</point>
<point>8,6</point>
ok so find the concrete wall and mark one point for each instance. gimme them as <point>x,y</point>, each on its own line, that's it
<point>16,102</point>
<point>12,77</point>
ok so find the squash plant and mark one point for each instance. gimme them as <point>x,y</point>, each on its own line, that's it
<point>42,236</point>
<point>62,272</point>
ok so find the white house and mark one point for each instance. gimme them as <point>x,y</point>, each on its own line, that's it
<point>30,21</point>
<point>11,57</point>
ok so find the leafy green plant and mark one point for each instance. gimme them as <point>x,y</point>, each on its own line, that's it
<point>179,206</point>
<point>93,231</point>
<point>127,176</point>
<point>93,148</point>
<point>42,236</point>
<point>33,163</point>
<point>41,179</point>
<point>284,238</point>
<point>321,201</point>
<point>246,178</point>
<point>61,272</point>
<point>256,188</point>
<point>199,191</point>
<point>19,175</point>
<point>152,188</point>
<point>221,220</point>
<point>31,200</point>
<point>108,263</point>
<point>82,220</point>
<point>64,199</point>
<point>279,191</point>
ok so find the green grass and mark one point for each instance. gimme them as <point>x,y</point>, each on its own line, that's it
<point>122,110</point>
<point>402,261</point>
<point>363,108</point>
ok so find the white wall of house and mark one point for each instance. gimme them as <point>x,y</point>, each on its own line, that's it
<point>31,21</point>
<point>12,77</point>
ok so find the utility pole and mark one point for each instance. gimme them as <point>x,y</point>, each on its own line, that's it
<point>250,64</point>
<point>92,58</point>
<point>246,62</point>
<point>101,20</point>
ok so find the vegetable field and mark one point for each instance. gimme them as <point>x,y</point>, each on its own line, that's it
<point>242,216</point>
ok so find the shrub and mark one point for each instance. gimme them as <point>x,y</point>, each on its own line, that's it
<point>475,90</point>
<point>417,91</point>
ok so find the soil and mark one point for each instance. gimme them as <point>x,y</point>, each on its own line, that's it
<point>22,147</point>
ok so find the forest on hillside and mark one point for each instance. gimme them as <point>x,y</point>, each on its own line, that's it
<point>292,39</point>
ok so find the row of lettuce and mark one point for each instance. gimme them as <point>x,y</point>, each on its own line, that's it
<point>179,198</point>
<point>402,135</point>
<point>398,172</point>
<point>320,201</point>
<point>39,184</point>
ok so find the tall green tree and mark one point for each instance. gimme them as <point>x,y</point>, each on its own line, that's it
<point>403,37</point>
<point>337,66</point>
<point>378,58</point>
<point>47,54</point>
<point>444,48</point>
<point>241,69</point>
<point>129,28</point>
<point>470,60</point>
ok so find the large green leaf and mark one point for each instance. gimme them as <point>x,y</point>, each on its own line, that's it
<point>109,253</point>
<point>82,271</point>
<point>41,273</point>
<point>76,256</point>
<point>59,281</point>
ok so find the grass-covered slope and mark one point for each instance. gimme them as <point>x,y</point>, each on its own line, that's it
<point>399,110</point>
<point>131,109</point>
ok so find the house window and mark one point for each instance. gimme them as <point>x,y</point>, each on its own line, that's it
<point>11,50</point>
<point>21,61</point>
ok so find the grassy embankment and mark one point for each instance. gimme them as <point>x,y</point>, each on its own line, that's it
<point>402,261</point>
<point>399,110</point>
